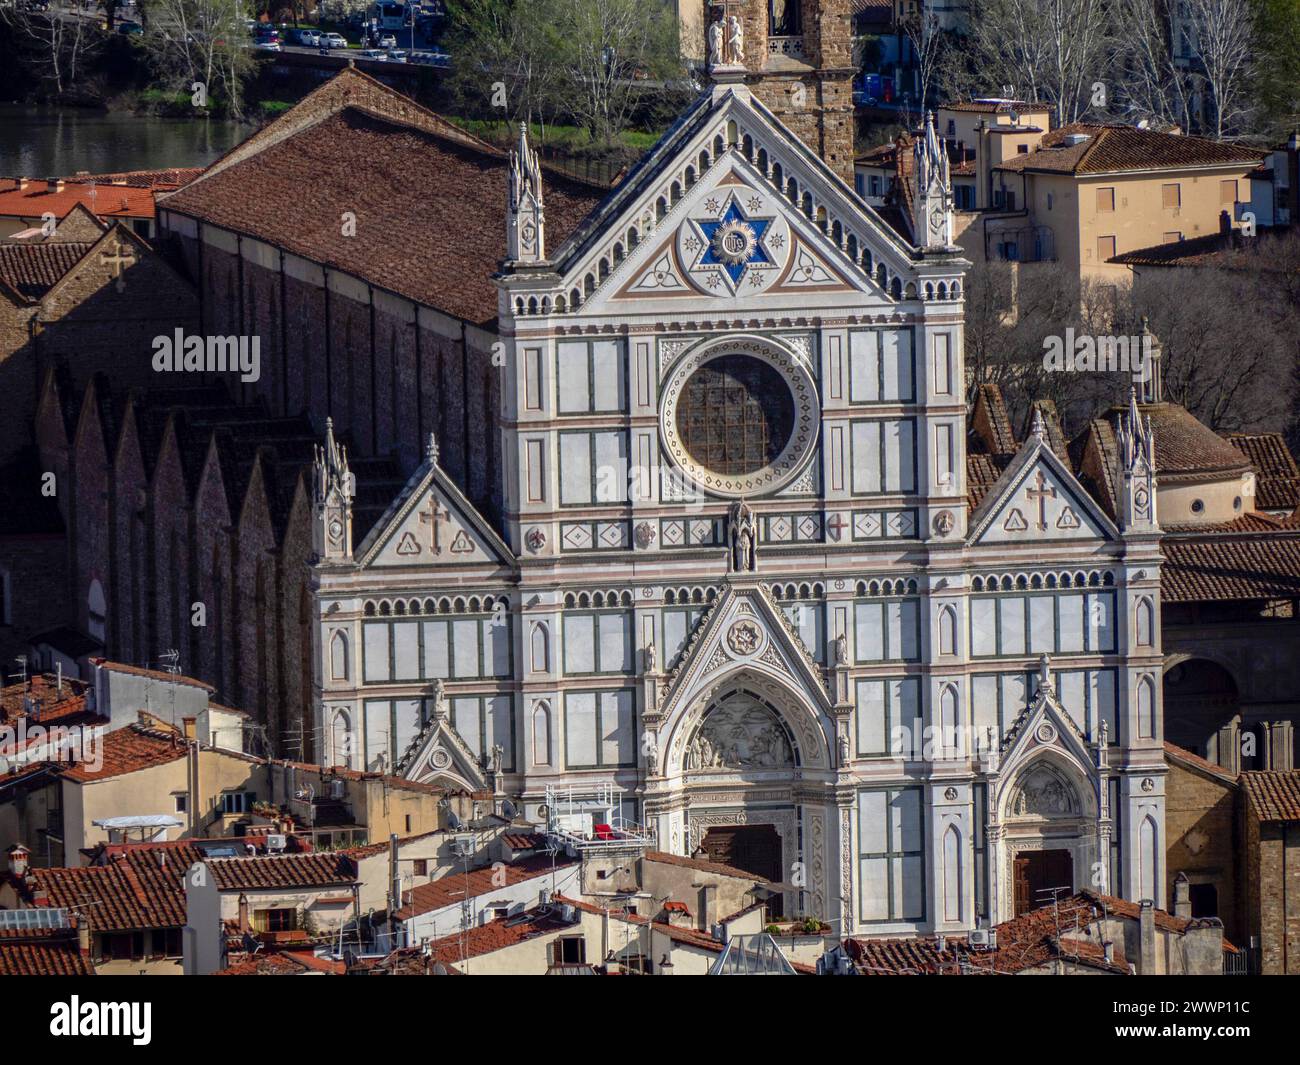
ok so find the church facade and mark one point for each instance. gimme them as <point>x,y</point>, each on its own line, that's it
<point>738,594</point>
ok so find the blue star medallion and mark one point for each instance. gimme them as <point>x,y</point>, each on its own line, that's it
<point>734,242</point>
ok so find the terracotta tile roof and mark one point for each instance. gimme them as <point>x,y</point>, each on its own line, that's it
<point>1185,445</point>
<point>56,704</point>
<point>31,270</point>
<point>1214,567</point>
<point>266,965</point>
<point>1277,484</point>
<point>1274,794</point>
<point>131,891</point>
<point>129,750</point>
<point>452,889</point>
<point>704,866</point>
<point>166,178</point>
<point>496,935</point>
<point>42,952</point>
<point>882,155</point>
<point>1111,149</point>
<point>1190,760</point>
<point>991,106</point>
<point>523,841</point>
<point>438,243</point>
<point>1023,942</point>
<point>690,937</point>
<point>982,473</point>
<point>1219,251</point>
<point>105,201</point>
<point>283,871</point>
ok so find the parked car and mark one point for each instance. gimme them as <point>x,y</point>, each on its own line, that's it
<point>387,40</point>
<point>375,55</point>
<point>332,40</point>
<point>265,44</point>
<point>396,55</point>
<point>130,29</point>
<point>310,38</point>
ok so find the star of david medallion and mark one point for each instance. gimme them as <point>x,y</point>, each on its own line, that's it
<point>731,246</point>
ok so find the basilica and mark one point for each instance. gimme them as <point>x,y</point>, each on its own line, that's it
<point>690,551</point>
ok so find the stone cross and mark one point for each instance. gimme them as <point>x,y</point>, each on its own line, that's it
<point>434,517</point>
<point>1042,494</point>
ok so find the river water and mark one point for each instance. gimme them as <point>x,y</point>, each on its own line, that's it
<point>40,142</point>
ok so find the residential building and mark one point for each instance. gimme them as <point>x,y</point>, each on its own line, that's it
<point>1270,832</point>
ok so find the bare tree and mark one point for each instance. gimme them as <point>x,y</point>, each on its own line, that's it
<point>55,45</point>
<point>927,41</point>
<point>504,57</point>
<point>199,46</point>
<point>1151,83</point>
<point>1047,50</point>
<point>1224,33</point>
<point>608,46</point>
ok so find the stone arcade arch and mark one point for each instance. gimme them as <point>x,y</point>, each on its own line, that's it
<point>752,750</point>
<point>1047,827</point>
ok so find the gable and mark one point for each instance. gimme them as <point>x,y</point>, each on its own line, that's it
<point>731,205</point>
<point>1037,499</point>
<point>432,524</point>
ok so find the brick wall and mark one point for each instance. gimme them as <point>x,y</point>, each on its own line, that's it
<point>1273,892</point>
<point>1201,833</point>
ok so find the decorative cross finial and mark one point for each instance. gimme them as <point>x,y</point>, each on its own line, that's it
<point>1040,429</point>
<point>431,450</point>
<point>1044,673</point>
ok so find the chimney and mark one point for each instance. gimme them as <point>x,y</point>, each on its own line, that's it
<point>54,184</point>
<point>1108,948</point>
<point>1182,896</point>
<point>708,914</point>
<point>83,934</point>
<point>22,184</point>
<point>18,859</point>
<point>243,913</point>
<point>1147,938</point>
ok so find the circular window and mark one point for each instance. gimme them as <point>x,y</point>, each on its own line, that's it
<point>735,415</point>
<point>1198,505</point>
<point>739,416</point>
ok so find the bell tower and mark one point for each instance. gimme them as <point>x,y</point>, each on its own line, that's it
<point>796,57</point>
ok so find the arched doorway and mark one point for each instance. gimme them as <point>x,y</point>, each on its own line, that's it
<point>1201,711</point>
<point>1049,828</point>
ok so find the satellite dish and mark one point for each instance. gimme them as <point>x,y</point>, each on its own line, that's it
<point>509,809</point>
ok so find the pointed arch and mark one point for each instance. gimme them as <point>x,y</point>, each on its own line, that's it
<point>541,729</point>
<point>341,739</point>
<point>952,874</point>
<point>339,655</point>
<point>540,648</point>
<point>948,630</point>
<point>1148,859</point>
<point>1145,626</point>
<point>1146,707</point>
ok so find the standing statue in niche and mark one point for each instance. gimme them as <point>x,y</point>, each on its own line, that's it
<point>715,44</point>
<point>735,40</point>
<point>841,650</point>
<point>651,657</point>
<point>436,696</point>
<point>743,532</point>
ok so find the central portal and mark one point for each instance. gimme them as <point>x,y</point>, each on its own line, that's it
<point>1037,872</point>
<point>754,848</point>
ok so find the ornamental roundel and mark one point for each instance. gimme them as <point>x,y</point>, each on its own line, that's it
<point>734,243</point>
<point>739,416</point>
<point>440,758</point>
<point>744,637</point>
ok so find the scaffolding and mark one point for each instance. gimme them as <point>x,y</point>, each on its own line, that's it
<point>589,821</point>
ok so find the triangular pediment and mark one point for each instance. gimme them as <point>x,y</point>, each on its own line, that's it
<point>1037,498</point>
<point>439,755</point>
<point>731,206</point>
<point>1046,734</point>
<point>745,632</point>
<point>431,523</point>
